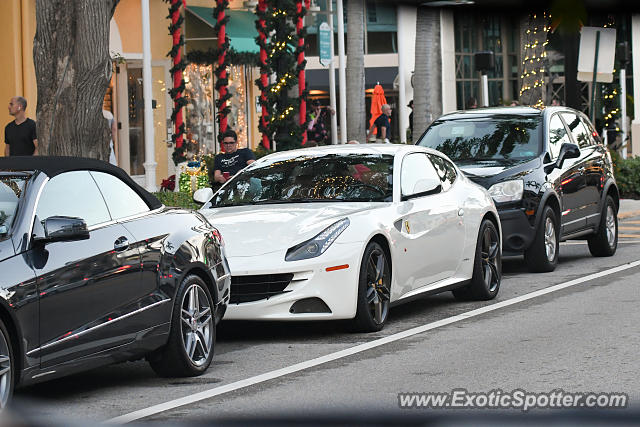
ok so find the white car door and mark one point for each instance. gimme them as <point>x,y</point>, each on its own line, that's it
<point>431,226</point>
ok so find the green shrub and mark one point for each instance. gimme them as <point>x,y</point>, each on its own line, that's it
<point>627,173</point>
<point>176,199</point>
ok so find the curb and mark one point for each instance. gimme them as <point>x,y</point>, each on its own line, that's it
<point>629,214</point>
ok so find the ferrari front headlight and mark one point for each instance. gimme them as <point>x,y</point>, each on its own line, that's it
<point>507,191</point>
<point>317,245</point>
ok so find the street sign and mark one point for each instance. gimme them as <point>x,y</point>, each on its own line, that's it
<point>324,40</point>
<point>587,57</point>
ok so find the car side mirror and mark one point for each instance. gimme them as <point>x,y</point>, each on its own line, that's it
<point>567,151</point>
<point>61,229</point>
<point>424,187</point>
<point>202,195</point>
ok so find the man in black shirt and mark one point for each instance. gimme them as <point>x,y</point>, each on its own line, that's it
<point>232,160</point>
<point>382,125</point>
<point>20,135</point>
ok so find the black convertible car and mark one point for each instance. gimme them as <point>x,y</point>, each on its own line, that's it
<point>95,270</point>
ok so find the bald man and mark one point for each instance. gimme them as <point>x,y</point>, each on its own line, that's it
<point>20,134</point>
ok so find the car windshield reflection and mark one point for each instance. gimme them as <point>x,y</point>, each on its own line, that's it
<point>308,179</point>
<point>496,139</point>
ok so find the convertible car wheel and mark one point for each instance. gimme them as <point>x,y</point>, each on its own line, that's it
<point>6,367</point>
<point>605,241</point>
<point>191,341</point>
<point>374,287</point>
<point>487,266</point>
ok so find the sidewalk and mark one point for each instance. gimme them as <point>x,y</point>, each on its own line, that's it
<point>629,208</point>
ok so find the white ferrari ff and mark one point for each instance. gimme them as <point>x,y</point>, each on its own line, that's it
<point>343,232</point>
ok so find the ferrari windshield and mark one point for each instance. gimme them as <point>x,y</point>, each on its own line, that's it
<point>11,189</point>
<point>503,137</point>
<point>311,178</point>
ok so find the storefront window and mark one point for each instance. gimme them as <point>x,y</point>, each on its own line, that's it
<point>200,123</point>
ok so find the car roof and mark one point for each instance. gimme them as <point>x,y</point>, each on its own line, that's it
<point>380,149</point>
<point>55,165</point>
<point>492,111</point>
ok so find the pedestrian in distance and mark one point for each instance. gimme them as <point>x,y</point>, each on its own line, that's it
<point>317,128</point>
<point>232,160</point>
<point>113,153</point>
<point>20,134</point>
<point>382,125</point>
<point>472,103</point>
<point>410,105</point>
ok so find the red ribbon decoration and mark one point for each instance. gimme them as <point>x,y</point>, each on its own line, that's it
<point>223,74</point>
<point>177,75</point>
<point>264,78</point>
<point>301,73</point>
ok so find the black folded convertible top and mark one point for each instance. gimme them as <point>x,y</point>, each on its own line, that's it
<point>55,165</point>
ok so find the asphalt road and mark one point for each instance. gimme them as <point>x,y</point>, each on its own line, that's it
<point>584,337</point>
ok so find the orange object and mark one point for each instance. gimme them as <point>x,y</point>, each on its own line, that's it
<point>377,101</point>
<point>338,267</point>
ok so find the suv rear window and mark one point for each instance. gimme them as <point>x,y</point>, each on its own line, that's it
<point>507,137</point>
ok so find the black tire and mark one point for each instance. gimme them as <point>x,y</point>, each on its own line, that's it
<point>374,290</point>
<point>605,241</point>
<point>193,330</point>
<point>542,255</point>
<point>7,367</point>
<point>487,266</point>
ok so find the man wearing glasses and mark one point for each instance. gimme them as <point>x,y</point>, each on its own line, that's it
<point>232,160</point>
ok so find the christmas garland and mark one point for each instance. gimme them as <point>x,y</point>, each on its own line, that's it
<point>222,81</point>
<point>282,60</point>
<point>210,57</point>
<point>301,11</point>
<point>263,81</point>
<point>178,82</point>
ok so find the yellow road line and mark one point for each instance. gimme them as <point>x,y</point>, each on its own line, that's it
<point>629,228</point>
<point>633,236</point>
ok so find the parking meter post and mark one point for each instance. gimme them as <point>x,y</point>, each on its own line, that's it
<point>593,83</point>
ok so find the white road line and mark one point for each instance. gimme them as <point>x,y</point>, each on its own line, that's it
<point>217,391</point>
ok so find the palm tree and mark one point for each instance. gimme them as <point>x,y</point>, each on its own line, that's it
<point>427,88</point>
<point>356,118</point>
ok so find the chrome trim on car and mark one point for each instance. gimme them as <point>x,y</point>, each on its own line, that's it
<point>43,374</point>
<point>79,334</point>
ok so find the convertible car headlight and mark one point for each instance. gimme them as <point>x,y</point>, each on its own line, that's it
<point>319,244</point>
<point>507,191</point>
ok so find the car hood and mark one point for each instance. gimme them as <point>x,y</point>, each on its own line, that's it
<point>487,173</point>
<point>257,230</point>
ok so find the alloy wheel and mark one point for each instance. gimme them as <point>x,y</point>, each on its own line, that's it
<point>378,294</point>
<point>611,226</point>
<point>5,371</point>
<point>490,253</point>
<point>550,239</point>
<point>197,325</point>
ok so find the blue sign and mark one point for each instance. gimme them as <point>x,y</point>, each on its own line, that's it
<point>324,40</point>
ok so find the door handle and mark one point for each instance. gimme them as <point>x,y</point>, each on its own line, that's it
<point>121,244</point>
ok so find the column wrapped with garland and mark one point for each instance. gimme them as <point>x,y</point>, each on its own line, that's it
<point>175,29</point>
<point>301,10</point>
<point>222,80</point>
<point>534,37</point>
<point>282,60</point>
<point>263,81</point>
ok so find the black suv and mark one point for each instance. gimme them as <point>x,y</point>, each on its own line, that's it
<point>547,170</point>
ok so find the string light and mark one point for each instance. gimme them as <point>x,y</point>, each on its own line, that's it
<point>533,62</point>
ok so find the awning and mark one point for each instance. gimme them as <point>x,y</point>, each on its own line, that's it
<point>319,79</point>
<point>241,27</point>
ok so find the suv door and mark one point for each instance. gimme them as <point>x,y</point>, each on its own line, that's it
<point>83,284</point>
<point>568,180</point>
<point>594,163</point>
<point>591,165</point>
